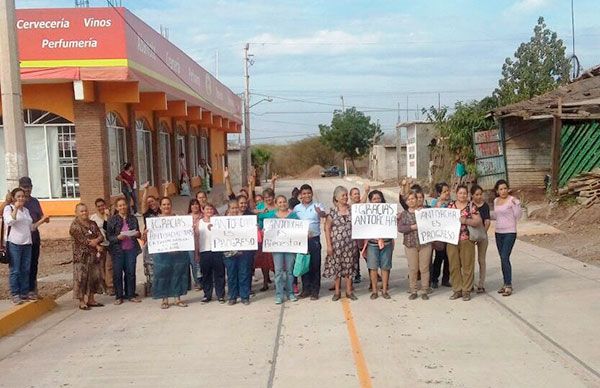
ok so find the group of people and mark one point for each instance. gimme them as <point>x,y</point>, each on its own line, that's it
<point>106,245</point>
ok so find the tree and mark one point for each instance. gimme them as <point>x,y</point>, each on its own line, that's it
<point>351,133</point>
<point>260,159</point>
<point>540,65</point>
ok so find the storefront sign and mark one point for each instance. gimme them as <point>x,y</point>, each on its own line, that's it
<point>170,234</point>
<point>285,235</point>
<point>438,224</point>
<point>374,220</point>
<point>234,233</point>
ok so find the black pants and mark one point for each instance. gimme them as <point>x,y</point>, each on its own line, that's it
<point>213,274</point>
<point>440,257</point>
<point>33,269</point>
<point>311,281</point>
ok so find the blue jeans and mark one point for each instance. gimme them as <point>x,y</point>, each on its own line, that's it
<point>124,271</point>
<point>284,278</point>
<point>20,263</point>
<point>505,243</point>
<point>195,269</point>
<point>238,273</point>
<point>131,195</point>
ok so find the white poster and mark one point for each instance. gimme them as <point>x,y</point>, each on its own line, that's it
<point>438,224</point>
<point>285,235</point>
<point>374,220</point>
<point>234,233</point>
<point>170,234</point>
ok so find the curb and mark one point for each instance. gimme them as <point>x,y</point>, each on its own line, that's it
<point>21,315</point>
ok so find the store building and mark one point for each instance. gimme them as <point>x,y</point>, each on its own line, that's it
<point>101,87</point>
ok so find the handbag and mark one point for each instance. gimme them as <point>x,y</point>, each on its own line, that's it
<point>477,233</point>
<point>302,264</point>
<point>4,256</point>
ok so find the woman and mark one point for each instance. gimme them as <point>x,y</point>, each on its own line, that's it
<point>264,260</point>
<point>211,263</point>
<point>129,185</point>
<point>202,199</point>
<point>283,261</point>
<point>507,211</point>
<point>87,253</point>
<point>484,211</point>
<point>196,213</point>
<point>442,190</point>
<point>237,264</point>
<point>379,255</point>
<point>342,251</point>
<point>355,197</point>
<point>418,255</point>
<point>19,242</point>
<point>171,269</point>
<point>462,256</point>
<point>123,232</point>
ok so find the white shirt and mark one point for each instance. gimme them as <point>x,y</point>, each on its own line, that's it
<point>204,240</point>
<point>20,229</point>
<point>100,222</point>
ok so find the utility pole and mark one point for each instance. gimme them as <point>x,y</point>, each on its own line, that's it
<point>343,106</point>
<point>12,109</point>
<point>217,64</point>
<point>246,160</point>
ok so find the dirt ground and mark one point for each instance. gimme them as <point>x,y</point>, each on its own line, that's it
<point>55,263</point>
<point>581,227</point>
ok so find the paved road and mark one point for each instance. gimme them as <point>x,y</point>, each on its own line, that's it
<point>545,335</point>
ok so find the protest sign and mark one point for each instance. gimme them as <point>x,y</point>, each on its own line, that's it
<point>285,235</point>
<point>170,234</point>
<point>233,233</point>
<point>438,224</point>
<point>374,220</point>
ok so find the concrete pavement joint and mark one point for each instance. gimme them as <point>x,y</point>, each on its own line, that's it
<point>275,349</point>
<point>546,337</point>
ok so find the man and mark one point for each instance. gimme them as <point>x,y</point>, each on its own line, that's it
<point>311,211</point>
<point>153,211</point>
<point>106,268</point>
<point>37,214</point>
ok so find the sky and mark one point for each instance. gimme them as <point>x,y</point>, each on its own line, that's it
<point>378,54</point>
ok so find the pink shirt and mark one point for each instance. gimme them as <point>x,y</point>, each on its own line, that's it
<point>126,244</point>
<point>507,215</point>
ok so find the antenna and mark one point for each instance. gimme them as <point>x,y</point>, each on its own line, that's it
<point>164,31</point>
<point>575,65</point>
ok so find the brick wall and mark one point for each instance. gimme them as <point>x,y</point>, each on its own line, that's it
<point>92,151</point>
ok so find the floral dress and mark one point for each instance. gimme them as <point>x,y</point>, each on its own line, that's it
<point>86,265</point>
<point>344,261</point>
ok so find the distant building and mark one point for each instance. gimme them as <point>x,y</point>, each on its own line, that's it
<point>386,161</point>
<point>419,137</point>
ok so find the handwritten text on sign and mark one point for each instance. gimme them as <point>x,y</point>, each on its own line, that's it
<point>438,224</point>
<point>285,235</point>
<point>374,220</point>
<point>170,234</point>
<point>234,233</point>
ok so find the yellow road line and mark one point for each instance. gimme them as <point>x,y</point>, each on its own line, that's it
<point>359,358</point>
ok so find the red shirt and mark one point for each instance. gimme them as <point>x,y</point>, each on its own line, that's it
<point>129,178</point>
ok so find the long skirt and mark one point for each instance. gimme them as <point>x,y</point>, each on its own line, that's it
<point>171,274</point>
<point>87,279</point>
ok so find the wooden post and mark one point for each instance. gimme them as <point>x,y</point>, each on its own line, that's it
<point>556,131</point>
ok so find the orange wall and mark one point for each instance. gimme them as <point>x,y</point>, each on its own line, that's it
<point>145,114</point>
<point>121,109</point>
<point>217,149</point>
<point>55,98</point>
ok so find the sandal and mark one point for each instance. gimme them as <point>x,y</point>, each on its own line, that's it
<point>95,304</point>
<point>351,296</point>
<point>135,300</point>
<point>385,295</point>
<point>374,295</point>
<point>84,307</point>
<point>164,305</point>
<point>181,303</point>
<point>480,290</point>
<point>507,291</point>
<point>118,302</point>
<point>264,288</point>
<point>501,290</point>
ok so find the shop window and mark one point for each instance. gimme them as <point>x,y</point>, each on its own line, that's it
<point>116,150</point>
<point>144,152</point>
<point>164,144</point>
<point>51,155</point>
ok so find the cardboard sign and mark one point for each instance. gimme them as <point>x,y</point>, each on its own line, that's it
<point>285,235</point>
<point>374,220</point>
<point>170,234</point>
<point>233,233</point>
<point>438,224</point>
